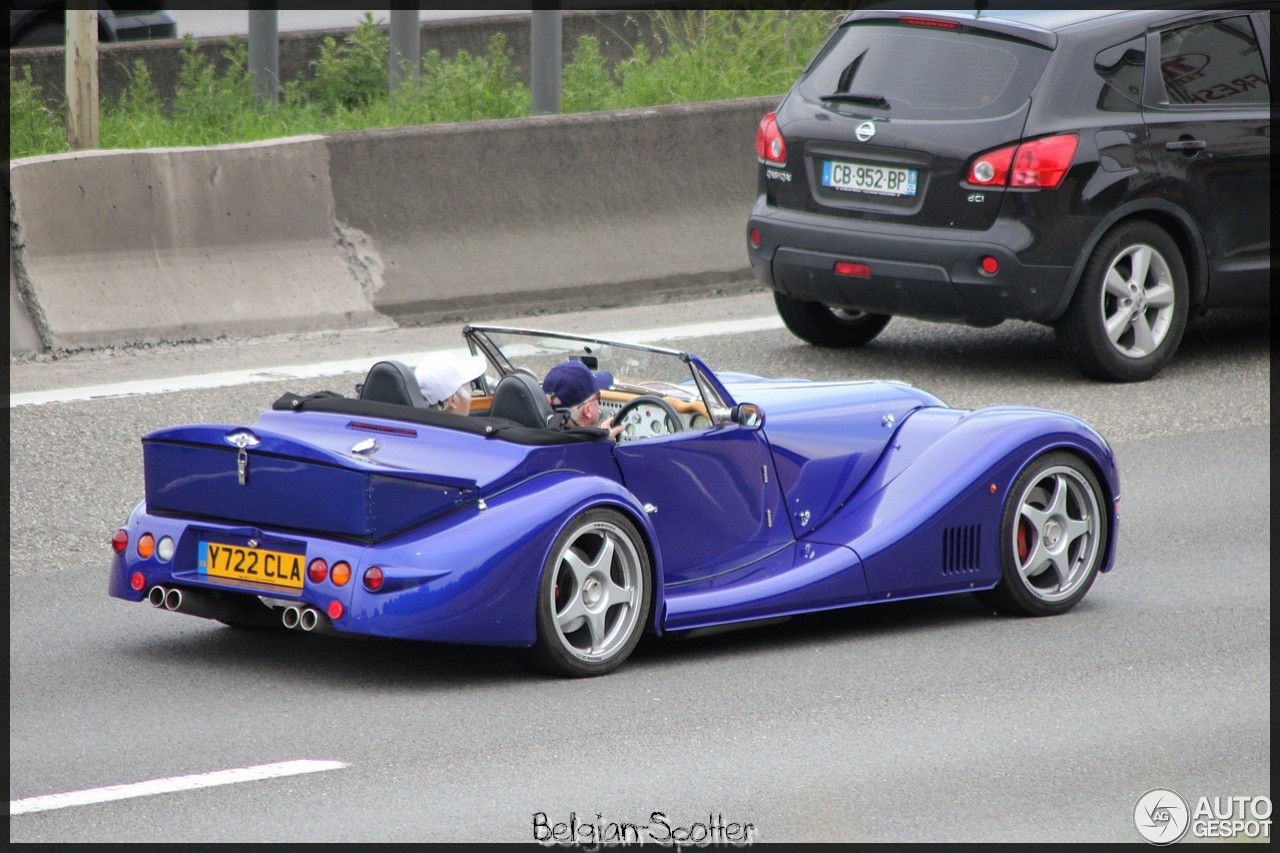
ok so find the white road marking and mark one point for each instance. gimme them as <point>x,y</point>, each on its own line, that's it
<point>230,378</point>
<point>170,785</point>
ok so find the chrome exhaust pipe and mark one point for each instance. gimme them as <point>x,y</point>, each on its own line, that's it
<point>291,617</point>
<point>308,619</point>
<point>156,595</point>
<point>173,599</point>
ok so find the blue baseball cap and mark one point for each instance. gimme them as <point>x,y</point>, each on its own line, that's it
<point>572,382</point>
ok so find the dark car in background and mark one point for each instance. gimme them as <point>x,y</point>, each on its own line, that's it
<point>43,25</point>
<point>1105,172</point>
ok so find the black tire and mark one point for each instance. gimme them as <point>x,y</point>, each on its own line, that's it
<point>1135,284</point>
<point>593,597</point>
<point>824,326</point>
<point>1053,538</point>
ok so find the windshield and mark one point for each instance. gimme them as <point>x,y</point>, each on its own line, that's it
<point>634,367</point>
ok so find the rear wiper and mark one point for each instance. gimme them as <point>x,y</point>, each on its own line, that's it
<point>857,98</point>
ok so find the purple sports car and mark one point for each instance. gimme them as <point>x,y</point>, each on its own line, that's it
<point>726,499</point>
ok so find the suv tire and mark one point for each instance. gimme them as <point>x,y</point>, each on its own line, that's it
<point>829,327</point>
<point>1130,309</point>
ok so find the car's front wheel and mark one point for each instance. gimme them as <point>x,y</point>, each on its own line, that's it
<point>825,326</point>
<point>1130,308</point>
<point>594,595</point>
<point>1053,537</point>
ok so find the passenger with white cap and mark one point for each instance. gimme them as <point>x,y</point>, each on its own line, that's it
<point>445,380</point>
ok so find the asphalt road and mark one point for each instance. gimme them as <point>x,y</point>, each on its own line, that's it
<point>924,721</point>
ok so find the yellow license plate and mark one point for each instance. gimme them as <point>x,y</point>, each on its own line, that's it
<point>251,564</point>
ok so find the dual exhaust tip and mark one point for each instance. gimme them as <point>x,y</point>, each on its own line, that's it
<point>306,618</point>
<point>171,598</point>
<point>168,599</point>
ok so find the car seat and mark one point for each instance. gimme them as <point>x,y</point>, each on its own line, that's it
<point>519,398</point>
<point>392,382</point>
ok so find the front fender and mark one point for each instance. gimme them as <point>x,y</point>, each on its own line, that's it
<point>475,579</point>
<point>948,474</point>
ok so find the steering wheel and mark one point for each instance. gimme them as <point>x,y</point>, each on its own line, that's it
<point>647,416</point>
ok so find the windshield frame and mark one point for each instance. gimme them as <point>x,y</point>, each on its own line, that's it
<point>692,376</point>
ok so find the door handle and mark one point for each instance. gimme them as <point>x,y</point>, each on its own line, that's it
<point>1187,145</point>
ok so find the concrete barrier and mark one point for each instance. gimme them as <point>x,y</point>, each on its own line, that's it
<point>536,211</point>
<point>118,247</point>
<point>23,337</point>
<point>415,224</point>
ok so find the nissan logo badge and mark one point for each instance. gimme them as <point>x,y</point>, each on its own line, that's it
<point>865,131</point>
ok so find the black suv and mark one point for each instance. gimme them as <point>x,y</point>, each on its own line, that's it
<point>1104,172</point>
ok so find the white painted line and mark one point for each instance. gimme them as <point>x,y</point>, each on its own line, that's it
<point>231,378</point>
<point>170,785</point>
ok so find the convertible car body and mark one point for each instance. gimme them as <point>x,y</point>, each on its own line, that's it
<point>727,499</point>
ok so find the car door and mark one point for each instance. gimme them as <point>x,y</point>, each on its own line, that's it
<point>1207,109</point>
<point>712,496</point>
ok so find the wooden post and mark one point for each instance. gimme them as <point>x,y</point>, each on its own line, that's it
<point>82,78</point>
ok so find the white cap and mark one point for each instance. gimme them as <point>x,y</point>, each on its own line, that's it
<point>442,375</point>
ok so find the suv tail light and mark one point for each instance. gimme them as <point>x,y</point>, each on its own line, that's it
<point>770,146</point>
<point>1039,164</point>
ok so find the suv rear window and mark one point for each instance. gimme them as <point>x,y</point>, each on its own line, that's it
<point>926,73</point>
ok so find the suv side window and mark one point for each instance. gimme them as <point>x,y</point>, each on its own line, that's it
<point>1213,63</point>
<point>1122,68</point>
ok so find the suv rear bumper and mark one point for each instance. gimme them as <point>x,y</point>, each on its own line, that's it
<point>915,272</point>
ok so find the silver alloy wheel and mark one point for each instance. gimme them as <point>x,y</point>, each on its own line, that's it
<point>1056,534</point>
<point>598,592</point>
<point>1138,300</point>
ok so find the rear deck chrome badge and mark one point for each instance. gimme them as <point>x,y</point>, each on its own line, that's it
<point>242,439</point>
<point>865,131</point>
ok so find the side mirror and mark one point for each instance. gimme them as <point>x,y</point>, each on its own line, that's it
<point>747,415</point>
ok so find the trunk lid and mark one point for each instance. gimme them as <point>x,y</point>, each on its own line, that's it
<point>331,474</point>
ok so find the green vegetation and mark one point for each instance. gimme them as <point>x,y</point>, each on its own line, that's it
<point>709,55</point>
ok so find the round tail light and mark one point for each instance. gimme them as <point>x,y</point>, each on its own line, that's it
<point>317,570</point>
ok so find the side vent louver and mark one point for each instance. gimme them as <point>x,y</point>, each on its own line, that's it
<point>960,549</point>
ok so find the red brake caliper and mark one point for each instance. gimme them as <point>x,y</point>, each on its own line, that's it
<point>1023,548</point>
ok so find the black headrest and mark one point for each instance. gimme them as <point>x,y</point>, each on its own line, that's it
<point>519,398</point>
<point>392,382</point>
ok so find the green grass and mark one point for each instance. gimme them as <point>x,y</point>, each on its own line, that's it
<point>708,56</point>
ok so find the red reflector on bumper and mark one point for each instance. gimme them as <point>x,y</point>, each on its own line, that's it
<point>850,268</point>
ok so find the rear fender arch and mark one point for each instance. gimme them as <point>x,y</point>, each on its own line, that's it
<point>1171,218</point>
<point>492,559</point>
<point>583,496</point>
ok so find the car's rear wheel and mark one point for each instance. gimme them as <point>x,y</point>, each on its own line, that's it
<point>825,326</point>
<point>594,595</point>
<point>1053,537</point>
<point>1130,309</point>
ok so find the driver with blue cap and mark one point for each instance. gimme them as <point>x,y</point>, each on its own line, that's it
<point>573,386</point>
